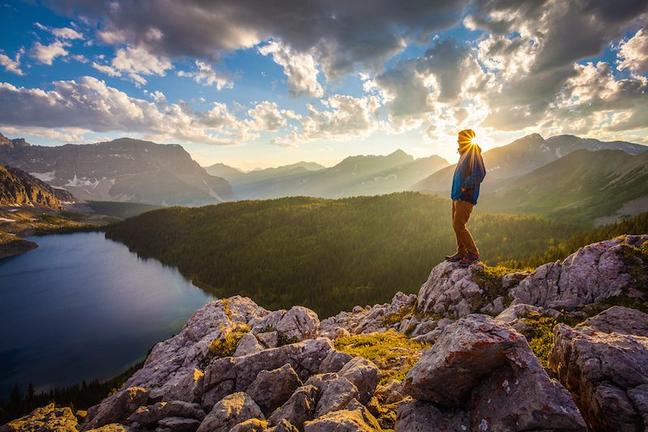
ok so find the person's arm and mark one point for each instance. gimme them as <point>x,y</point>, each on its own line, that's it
<point>477,173</point>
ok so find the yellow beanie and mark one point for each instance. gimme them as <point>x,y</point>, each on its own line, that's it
<point>465,138</point>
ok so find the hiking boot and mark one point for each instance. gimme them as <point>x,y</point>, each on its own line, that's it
<point>454,258</point>
<point>468,259</point>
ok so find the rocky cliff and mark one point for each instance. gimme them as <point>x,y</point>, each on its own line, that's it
<point>18,188</point>
<point>477,349</point>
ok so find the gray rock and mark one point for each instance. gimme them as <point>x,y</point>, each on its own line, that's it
<point>363,374</point>
<point>230,411</point>
<point>391,392</point>
<point>230,374</point>
<point>296,324</point>
<point>283,426</point>
<point>177,424</point>
<point>335,394</point>
<point>268,339</point>
<point>272,388</point>
<point>348,420</point>
<point>248,344</point>
<point>606,370</point>
<point>146,415</point>
<point>116,408</point>
<point>419,416</point>
<point>299,408</point>
<point>487,369</point>
<point>593,273</point>
<point>334,361</point>
<point>251,425</point>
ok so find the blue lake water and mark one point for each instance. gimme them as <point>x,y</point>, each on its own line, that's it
<point>81,306</point>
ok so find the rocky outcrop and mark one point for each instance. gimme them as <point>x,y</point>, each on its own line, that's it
<point>604,363</point>
<point>486,370</point>
<point>18,188</point>
<point>238,367</point>
<point>48,418</point>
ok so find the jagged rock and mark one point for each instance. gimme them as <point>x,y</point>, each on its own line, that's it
<point>348,420</point>
<point>116,408</point>
<point>391,392</point>
<point>335,392</point>
<point>450,291</point>
<point>517,316</point>
<point>145,415</point>
<point>251,425</point>
<point>45,419</point>
<point>369,319</point>
<point>419,416</point>
<point>604,363</point>
<point>171,370</point>
<point>268,339</point>
<point>299,408</point>
<point>488,370</point>
<point>230,411</point>
<point>177,424</point>
<point>334,361</point>
<point>113,427</point>
<point>283,426</point>
<point>363,374</point>
<point>296,324</point>
<point>272,388</point>
<point>593,273</point>
<point>248,344</point>
<point>226,375</point>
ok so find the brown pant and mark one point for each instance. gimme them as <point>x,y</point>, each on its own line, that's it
<point>460,214</point>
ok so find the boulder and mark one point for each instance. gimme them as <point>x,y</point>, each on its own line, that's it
<point>298,408</point>
<point>334,361</point>
<point>487,369</point>
<point>116,408</point>
<point>46,419</point>
<point>283,426</point>
<point>177,424</point>
<point>593,273</point>
<point>296,324</point>
<point>272,388</point>
<point>347,420</point>
<point>268,339</point>
<point>363,374</point>
<point>419,416</point>
<point>151,414</point>
<point>451,291</point>
<point>251,425</point>
<point>335,392</point>
<point>604,363</point>
<point>231,374</point>
<point>248,344</point>
<point>229,412</point>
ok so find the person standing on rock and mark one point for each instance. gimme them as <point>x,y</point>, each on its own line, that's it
<point>468,175</point>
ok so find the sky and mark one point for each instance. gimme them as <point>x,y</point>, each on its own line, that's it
<point>258,83</point>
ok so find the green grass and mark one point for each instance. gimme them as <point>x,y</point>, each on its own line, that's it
<point>392,352</point>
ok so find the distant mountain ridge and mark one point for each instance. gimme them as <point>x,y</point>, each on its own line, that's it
<point>523,156</point>
<point>17,188</point>
<point>353,176</point>
<point>124,169</point>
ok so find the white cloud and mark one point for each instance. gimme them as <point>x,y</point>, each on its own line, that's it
<point>300,68</point>
<point>266,116</point>
<point>206,75</point>
<point>46,54</point>
<point>134,62</point>
<point>107,69</point>
<point>66,33</point>
<point>633,53</point>
<point>12,65</point>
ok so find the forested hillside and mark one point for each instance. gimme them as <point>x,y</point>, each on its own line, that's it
<point>327,254</point>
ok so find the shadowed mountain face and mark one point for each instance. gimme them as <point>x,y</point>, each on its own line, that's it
<point>585,184</point>
<point>523,156</point>
<point>121,170</point>
<point>19,188</point>
<point>355,175</point>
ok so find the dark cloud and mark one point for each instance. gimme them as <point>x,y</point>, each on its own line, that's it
<point>343,34</point>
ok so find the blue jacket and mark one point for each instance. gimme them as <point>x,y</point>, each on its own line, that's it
<point>469,173</point>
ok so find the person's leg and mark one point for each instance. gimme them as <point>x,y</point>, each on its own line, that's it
<point>460,250</point>
<point>463,209</point>
<point>458,227</point>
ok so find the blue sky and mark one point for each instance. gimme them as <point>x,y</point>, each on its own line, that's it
<point>320,83</point>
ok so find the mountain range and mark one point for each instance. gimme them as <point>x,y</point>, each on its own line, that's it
<point>353,176</point>
<point>124,169</point>
<point>19,188</point>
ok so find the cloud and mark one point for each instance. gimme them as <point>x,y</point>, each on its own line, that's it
<point>61,32</point>
<point>340,35</point>
<point>90,104</point>
<point>206,75</point>
<point>633,53</point>
<point>46,54</point>
<point>134,62</point>
<point>300,68</point>
<point>266,116</point>
<point>12,65</point>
